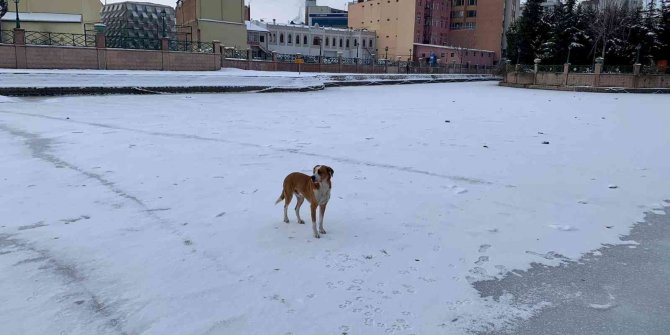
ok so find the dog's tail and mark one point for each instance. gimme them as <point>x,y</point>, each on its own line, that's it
<point>281,197</point>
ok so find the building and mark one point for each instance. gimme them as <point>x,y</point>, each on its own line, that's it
<point>139,20</point>
<point>471,24</point>
<point>247,13</point>
<point>320,41</point>
<point>63,16</point>
<point>325,16</point>
<point>258,37</point>
<point>210,20</point>
<point>447,55</point>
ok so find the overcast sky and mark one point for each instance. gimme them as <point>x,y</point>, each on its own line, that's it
<point>282,10</point>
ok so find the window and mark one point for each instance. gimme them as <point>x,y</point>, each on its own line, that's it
<point>452,54</point>
<point>466,53</point>
<point>481,54</point>
<point>364,43</point>
<point>290,39</point>
<point>356,42</point>
<point>371,44</point>
<point>281,38</point>
<point>327,41</point>
<point>457,14</point>
<point>489,55</point>
<point>340,42</point>
<point>304,40</point>
<point>262,39</point>
<point>472,13</point>
<point>297,39</point>
<point>470,25</point>
<point>457,3</point>
<point>472,2</point>
<point>347,43</point>
<point>443,55</point>
<point>316,41</point>
<point>456,26</point>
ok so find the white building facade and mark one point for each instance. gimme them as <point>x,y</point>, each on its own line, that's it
<point>320,41</point>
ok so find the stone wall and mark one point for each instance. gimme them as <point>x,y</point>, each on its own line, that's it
<point>22,56</point>
<point>596,79</point>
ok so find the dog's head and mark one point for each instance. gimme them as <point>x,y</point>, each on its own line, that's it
<point>322,173</point>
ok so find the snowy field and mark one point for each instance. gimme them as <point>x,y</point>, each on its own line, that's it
<point>225,77</point>
<point>155,214</point>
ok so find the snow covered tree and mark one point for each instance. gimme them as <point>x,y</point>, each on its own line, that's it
<point>527,36</point>
<point>611,23</point>
<point>3,8</point>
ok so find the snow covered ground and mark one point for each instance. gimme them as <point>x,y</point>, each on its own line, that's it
<point>155,215</point>
<point>225,77</point>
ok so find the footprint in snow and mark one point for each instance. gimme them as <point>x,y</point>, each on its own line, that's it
<point>484,247</point>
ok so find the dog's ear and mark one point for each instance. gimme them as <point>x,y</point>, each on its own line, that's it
<point>314,169</point>
<point>331,171</point>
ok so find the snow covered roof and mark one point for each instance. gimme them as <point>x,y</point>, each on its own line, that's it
<point>253,26</point>
<point>43,17</point>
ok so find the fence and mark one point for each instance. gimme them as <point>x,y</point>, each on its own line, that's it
<point>599,75</point>
<point>59,39</point>
<point>190,46</point>
<point>124,42</point>
<point>6,37</point>
<point>43,50</point>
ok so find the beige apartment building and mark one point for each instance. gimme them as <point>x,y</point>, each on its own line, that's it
<point>210,20</point>
<point>55,16</point>
<point>392,20</point>
<point>402,24</point>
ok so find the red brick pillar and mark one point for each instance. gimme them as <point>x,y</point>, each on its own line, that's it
<point>165,53</point>
<point>636,74</point>
<point>274,60</point>
<point>566,73</point>
<point>20,48</point>
<point>218,61</point>
<point>339,61</point>
<point>250,57</point>
<point>598,70</point>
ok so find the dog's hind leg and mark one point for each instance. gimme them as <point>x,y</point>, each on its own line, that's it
<point>287,200</point>
<point>301,199</point>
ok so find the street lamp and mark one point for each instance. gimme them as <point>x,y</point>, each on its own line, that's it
<point>569,49</point>
<point>18,21</point>
<point>386,56</point>
<point>163,14</point>
<point>637,58</point>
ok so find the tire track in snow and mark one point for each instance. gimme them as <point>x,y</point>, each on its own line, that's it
<point>70,275</point>
<point>267,147</point>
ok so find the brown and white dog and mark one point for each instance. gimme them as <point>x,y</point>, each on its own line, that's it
<point>314,188</point>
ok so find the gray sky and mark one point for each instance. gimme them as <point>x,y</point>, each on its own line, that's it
<point>282,10</point>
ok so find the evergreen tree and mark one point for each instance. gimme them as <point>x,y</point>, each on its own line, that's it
<point>3,8</point>
<point>527,36</point>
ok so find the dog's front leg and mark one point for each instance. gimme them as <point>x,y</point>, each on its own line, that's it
<point>313,206</point>
<point>322,209</point>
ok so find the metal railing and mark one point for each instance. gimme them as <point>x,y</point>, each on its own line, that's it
<point>234,53</point>
<point>311,59</point>
<point>615,69</point>
<point>649,69</point>
<point>122,42</point>
<point>6,37</point>
<point>331,60</point>
<point>190,46</point>
<point>582,69</point>
<point>550,68</point>
<point>59,39</point>
<point>286,58</point>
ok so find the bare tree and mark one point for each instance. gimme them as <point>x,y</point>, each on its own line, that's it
<point>612,21</point>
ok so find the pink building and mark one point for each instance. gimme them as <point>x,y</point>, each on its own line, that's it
<point>454,55</point>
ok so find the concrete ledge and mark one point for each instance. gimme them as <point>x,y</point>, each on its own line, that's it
<point>590,89</point>
<point>60,91</point>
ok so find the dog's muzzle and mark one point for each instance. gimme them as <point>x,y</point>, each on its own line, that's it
<point>314,178</point>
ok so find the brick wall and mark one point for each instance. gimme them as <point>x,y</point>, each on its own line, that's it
<point>45,57</point>
<point>589,80</point>
<point>7,56</point>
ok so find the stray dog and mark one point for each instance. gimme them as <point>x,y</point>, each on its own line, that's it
<point>315,188</point>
